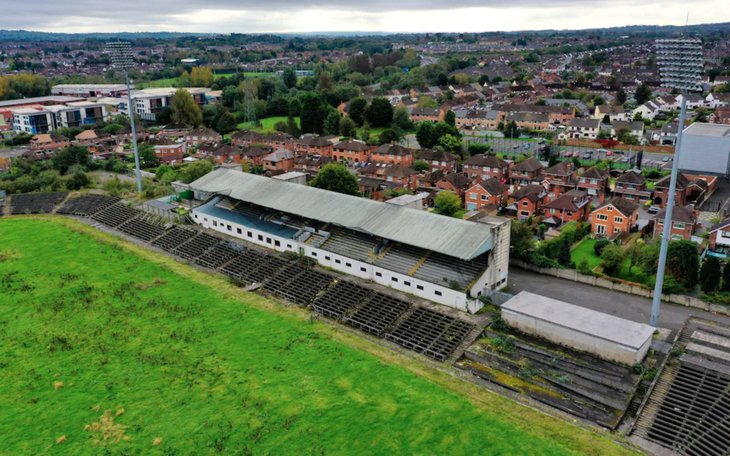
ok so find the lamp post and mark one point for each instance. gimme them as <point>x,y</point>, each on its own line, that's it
<point>121,55</point>
<point>680,67</point>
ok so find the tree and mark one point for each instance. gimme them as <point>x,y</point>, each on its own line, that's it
<point>597,101</point>
<point>147,155</point>
<point>611,258</point>
<point>448,203</point>
<point>195,171</point>
<point>552,161</point>
<point>450,118</point>
<point>511,130</point>
<point>621,96</point>
<point>184,109</point>
<point>643,94</point>
<point>336,177</point>
<point>357,110</point>
<point>450,143</point>
<point>606,119</point>
<point>600,245</point>
<point>161,170</point>
<point>483,80</point>
<point>226,123</point>
<point>295,107</point>
<point>442,79</point>
<point>379,113</point>
<point>683,262</point>
<point>420,166</point>
<point>292,128</point>
<point>391,135</point>
<point>726,278</point>
<point>281,126</point>
<point>347,127</point>
<point>332,123</point>
<point>425,135</point>
<point>78,180</point>
<point>634,253</point>
<point>201,77</point>
<point>313,113</point>
<point>365,135</point>
<point>710,274</point>
<point>564,258</point>
<point>522,239</point>
<point>289,77</point>
<point>69,157</point>
<point>402,119</point>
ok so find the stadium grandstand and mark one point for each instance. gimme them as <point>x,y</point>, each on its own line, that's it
<point>442,259</point>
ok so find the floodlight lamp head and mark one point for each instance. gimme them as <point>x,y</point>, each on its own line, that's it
<point>680,63</point>
<point>121,54</point>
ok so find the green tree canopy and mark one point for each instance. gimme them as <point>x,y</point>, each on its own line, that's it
<point>226,123</point>
<point>425,135</point>
<point>184,109</point>
<point>611,258</point>
<point>357,110</point>
<point>710,274</point>
<point>336,178</point>
<point>71,156</point>
<point>347,127</point>
<point>683,262</point>
<point>289,77</point>
<point>332,123</point>
<point>379,113</point>
<point>522,239</point>
<point>448,203</point>
<point>195,170</point>
<point>643,94</point>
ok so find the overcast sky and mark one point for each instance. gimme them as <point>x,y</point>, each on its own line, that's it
<point>350,15</point>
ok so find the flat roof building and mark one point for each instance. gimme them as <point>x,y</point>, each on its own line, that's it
<point>90,90</point>
<point>604,335</point>
<point>706,149</point>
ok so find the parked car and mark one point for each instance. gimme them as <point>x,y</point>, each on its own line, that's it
<point>625,160</point>
<point>515,146</point>
<point>568,154</point>
<point>665,159</point>
<point>588,155</point>
<point>527,146</point>
<point>654,209</point>
<point>608,153</point>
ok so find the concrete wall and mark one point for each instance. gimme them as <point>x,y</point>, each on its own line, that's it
<point>575,339</point>
<point>624,287</point>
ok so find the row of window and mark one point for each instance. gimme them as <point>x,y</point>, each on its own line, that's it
<point>604,217</point>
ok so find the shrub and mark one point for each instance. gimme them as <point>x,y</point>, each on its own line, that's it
<point>584,267</point>
<point>600,245</point>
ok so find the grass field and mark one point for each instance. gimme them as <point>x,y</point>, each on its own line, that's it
<point>169,82</point>
<point>267,124</point>
<point>585,250</point>
<point>108,348</point>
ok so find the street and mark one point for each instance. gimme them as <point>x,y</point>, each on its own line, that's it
<point>622,305</point>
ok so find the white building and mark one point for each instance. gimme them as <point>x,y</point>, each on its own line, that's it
<point>706,149</point>
<point>49,118</point>
<point>582,129</point>
<point>148,102</point>
<point>438,258</point>
<point>90,90</point>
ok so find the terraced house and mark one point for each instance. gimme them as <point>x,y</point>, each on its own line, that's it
<point>482,167</point>
<point>442,259</point>
<point>351,152</point>
<point>392,153</point>
<point>438,159</point>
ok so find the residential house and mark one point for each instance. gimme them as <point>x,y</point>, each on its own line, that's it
<point>526,202</point>
<point>95,141</point>
<point>616,112</point>
<point>311,163</point>
<point>560,178</point>
<point>124,134</point>
<point>169,151</point>
<point>392,153</point>
<point>390,173</point>
<point>720,239</point>
<point>49,141</point>
<point>632,186</point>
<point>485,193</point>
<point>278,141</point>
<point>526,172</point>
<point>668,134</point>
<point>316,145</point>
<point>438,159</point>
<point>720,116</point>
<point>455,182</point>
<point>198,136</point>
<point>636,128</point>
<point>694,100</point>
<point>689,189</point>
<point>614,216</point>
<point>684,223</point>
<point>648,110</point>
<point>482,167</point>
<point>253,155</point>
<point>351,152</point>
<point>174,130</point>
<point>717,100</point>
<point>533,121</point>
<point>426,114</point>
<point>595,182</point>
<point>244,138</point>
<point>279,160</point>
<point>225,154</point>
<point>468,119</point>
<point>572,206</point>
<point>583,129</point>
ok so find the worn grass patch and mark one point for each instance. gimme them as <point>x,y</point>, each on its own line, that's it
<point>156,358</point>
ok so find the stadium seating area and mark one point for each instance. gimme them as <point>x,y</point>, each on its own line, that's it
<point>35,203</point>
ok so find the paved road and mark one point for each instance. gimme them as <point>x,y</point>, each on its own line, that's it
<point>611,302</point>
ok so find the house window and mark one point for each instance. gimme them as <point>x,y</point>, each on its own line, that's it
<point>437,293</point>
<point>484,197</point>
<point>408,284</point>
<point>419,287</point>
<point>277,243</point>
<point>609,209</point>
<point>618,220</point>
<point>363,270</point>
<point>205,219</point>
<point>215,223</point>
<point>377,274</point>
<point>524,203</point>
<point>268,240</point>
<point>327,258</point>
<point>472,196</point>
<point>524,213</point>
<point>552,210</point>
<point>196,216</point>
<point>314,254</point>
<point>394,279</point>
<point>616,230</point>
<point>239,231</point>
<point>679,225</point>
<point>230,228</point>
<point>261,238</point>
<point>249,234</point>
<point>348,265</point>
<point>725,234</point>
<point>603,217</point>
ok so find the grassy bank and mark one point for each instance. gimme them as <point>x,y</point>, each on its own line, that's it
<point>112,349</point>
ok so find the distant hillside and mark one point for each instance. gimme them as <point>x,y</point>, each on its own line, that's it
<point>24,35</point>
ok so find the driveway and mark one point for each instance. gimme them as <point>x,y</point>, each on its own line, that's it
<point>622,305</point>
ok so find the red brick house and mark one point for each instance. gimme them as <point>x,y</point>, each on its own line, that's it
<point>720,238</point>
<point>614,216</point>
<point>168,151</point>
<point>526,202</point>
<point>200,135</point>
<point>351,152</point>
<point>279,160</point>
<point>253,155</point>
<point>526,172</point>
<point>595,182</point>
<point>438,159</point>
<point>49,141</point>
<point>684,223</point>
<point>281,141</point>
<point>689,189</point>
<point>484,167</point>
<point>455,182</point>
<point>95,141</point>
<point>426,114</point>
<point>560,178</point>
<point>244,138</point>
<point>124,134</point>
<point>226,154</point>
<point>313,162</point>
<point>392,153</point>
<point>484,193</point>
<point>174,130</point>
<point>573,206</point>
<point>395,172</point>
<point>632,186</point>
<point>316,145</point>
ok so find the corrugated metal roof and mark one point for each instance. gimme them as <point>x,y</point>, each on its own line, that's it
<point>447,235</point>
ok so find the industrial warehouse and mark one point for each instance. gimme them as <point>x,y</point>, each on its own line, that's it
<point>438,258</point>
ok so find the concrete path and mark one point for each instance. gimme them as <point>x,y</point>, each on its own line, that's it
<point>622,305</point>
